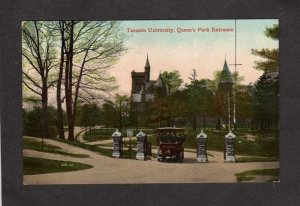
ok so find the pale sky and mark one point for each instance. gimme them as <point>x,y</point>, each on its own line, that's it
<point>202,51</point>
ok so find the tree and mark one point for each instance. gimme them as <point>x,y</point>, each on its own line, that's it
<point>109,114</point>
<point>218,99</point>
<point>265,101</point>
<point>89,115</point>
<point>271,56</point>
<point>38,57</point>
<point>199,98</point>
<point>90,49</point>
<point>60,124</point>
<point>265,92</point>
<point>172,80</point>
<point>122,104</point>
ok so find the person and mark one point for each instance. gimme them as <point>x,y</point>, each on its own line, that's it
<point>180,138</point>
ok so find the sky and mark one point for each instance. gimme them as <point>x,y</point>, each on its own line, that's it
<point>184,51</point>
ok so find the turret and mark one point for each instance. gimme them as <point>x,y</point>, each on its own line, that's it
<point>147,70</point>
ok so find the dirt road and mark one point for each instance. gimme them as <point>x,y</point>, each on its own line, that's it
<point>107,170</point>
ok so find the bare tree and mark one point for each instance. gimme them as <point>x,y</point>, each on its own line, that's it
<point>38,52</point>
<point>90,49</point>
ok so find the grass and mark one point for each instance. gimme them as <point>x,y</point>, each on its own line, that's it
<point>261,146</point>
<point>98,134</point>
<point>104,134</point>
<point>102,151</point>
<point>250,175</point>
<point>256,159</point>
<point>93,148</point>
<point>34,165</point>
<point>37,146</point>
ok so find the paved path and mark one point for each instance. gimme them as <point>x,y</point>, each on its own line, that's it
<point>108,170</point>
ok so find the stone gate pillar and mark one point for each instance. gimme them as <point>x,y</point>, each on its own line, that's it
<point>117,144</point>
<point>201,147</point>
<point>141,146</point>
<point>229,152</point>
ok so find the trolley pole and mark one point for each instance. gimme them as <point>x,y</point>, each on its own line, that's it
<point>234,87</point>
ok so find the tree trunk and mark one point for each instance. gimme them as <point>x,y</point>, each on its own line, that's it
<point>218,126</point>
<point>68,86</point>
<point>45,120</point>
<point>194,123</point>
<point>60,124</point>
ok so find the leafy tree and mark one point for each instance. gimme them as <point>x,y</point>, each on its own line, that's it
<point>265,92</point>
<point>122,105</point>
<point>172,80</point>
<point>33,124</point>
<point>218,99</point>
<point>89,115</point>
<point>109,114</point>
<point>199,98</point>
<point>271,56</point>
<point>265,101</point>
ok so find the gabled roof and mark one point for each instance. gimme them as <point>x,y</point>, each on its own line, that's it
<point>226,76</point>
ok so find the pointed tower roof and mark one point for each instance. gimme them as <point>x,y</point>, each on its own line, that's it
<point>226,76</point>
<point>147,63</point>
<point>159,81</point>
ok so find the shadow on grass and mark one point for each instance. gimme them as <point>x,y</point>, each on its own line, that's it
<point>34,165</point>
<point>36,145</point>
<point>250,175</point>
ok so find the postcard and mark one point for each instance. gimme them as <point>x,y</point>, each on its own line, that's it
<point>150,101</point>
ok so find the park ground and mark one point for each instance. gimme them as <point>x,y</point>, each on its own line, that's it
<point>81,165</point>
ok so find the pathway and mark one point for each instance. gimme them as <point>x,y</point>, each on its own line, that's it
<point>108,170</point>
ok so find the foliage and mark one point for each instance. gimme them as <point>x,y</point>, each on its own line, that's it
<point>172,80</point>
<point>273,32</point>
<point>89,115</point>
<point>109,114</point>
<point>265,100</point>
<point>32,122</point>
<point>199,100</point>
<point>271,56</point>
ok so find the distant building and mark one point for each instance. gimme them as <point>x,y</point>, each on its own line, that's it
<point>226,82</point>
<point>143,89</point>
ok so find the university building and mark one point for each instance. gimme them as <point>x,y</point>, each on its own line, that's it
<point>143,89</point>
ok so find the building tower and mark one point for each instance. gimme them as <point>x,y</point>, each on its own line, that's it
<point>147,70</point>
<point>226,87</point>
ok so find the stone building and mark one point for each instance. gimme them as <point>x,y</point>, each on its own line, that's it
<point>143,89</point>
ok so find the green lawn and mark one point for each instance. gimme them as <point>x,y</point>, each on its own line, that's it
<point>250,175</point>
<point>93,148</point>
<point>256,159</point>
<point>34,165</point>
<point>102,151</point>
<point>104,134</point>
<point>261,146</point>
<point>37,145</point>
<point>98,134</point>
